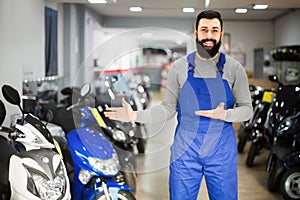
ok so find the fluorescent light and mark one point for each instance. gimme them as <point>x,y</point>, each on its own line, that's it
<point>241,10</point>
<point>97,1</point>
<point>188,10</point>
<point>136,9</point>
<point>206,3</point>
<point>260,6</point>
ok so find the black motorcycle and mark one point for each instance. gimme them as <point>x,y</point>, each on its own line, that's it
<point>259,139</point>
<point>284,160</point>
<point>109,92</point>
<point>245,128</point>
<point>283,124</point>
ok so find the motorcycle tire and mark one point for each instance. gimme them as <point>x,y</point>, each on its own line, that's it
<point>288,186</point>
<point>129,179</point>
<point>122,195</point>
<point>272,180</point>
<point>242,135</point>
<point>251,154</point>
<point>141,145</point>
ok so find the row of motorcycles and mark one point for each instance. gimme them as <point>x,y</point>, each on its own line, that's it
<point>70,150</point>
<point>275,125</point>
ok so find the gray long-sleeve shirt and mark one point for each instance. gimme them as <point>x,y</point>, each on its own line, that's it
<point>233,72</point>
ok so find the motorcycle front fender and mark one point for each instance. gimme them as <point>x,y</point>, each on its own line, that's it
<point>257,136</point>
<point>292,160</point>
<point>113,184</point>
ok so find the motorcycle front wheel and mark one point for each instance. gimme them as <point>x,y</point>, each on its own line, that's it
<point>129,179</point>
<point>251,154</point>
<point>273,177</point>
<point>122,195</point>
<point>243,137</point>
<point>290,184</point>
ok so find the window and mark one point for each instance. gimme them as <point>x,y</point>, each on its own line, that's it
<point>50,42</point>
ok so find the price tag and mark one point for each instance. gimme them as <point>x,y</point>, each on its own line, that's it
<point>268,96</point>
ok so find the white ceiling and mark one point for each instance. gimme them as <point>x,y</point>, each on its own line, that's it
<point>173,8</point>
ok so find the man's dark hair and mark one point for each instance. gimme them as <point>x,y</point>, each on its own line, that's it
<point>209,14</point>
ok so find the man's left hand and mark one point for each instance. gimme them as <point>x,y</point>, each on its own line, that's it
<point>217,113</point>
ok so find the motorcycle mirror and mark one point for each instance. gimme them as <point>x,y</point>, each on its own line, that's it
<point>114,79</point>
<point>252,87</point>
<point>85,89</point>
<point>66,91</point>
<point>11,95</point>
<point>273,78</point>
<point>2,112</point>
<point>49,115</point>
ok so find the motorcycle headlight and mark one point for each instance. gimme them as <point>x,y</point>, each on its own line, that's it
<point>84,176</point>
<point>140,89</point>
<point>287,124</point>
<point>109,167</point>
<point>119,135</point>
<point>44,187</point>
<point>143,100</point>
<point>51,189</point>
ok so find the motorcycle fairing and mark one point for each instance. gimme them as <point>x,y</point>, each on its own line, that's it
<point>19,174</point>
<point>87,142</point>
<point>292,160</point>
<point>114,187</point>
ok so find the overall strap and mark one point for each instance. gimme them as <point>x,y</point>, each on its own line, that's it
<point>191,63</point>
<point>221,62</point>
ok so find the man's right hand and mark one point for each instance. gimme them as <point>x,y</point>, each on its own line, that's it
<point>124,114</point>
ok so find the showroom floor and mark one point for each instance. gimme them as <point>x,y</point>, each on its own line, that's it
<point>152,181</point>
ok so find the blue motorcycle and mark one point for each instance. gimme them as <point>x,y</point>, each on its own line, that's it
<point>95,161</point>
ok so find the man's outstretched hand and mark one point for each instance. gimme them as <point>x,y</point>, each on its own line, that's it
<point>217,113</point>
<point>124,114</point>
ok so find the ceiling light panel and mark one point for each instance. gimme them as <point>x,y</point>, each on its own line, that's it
<point>97,1</point>
<point>241,10</point>
<point>260,6</point>
<point>188,10</point>
<point>136,9</point>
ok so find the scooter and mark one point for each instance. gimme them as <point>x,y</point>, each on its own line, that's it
<point>283,165</point>
<point>140,83</point>
<point>106,96</point>
<point>68,119</point>
<point>95,161</point>
<point>7,152</point>
<point>283,124</point>
<point>289,186</point>
<point>35,170</point>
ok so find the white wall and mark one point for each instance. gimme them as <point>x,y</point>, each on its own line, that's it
<point>246,36</point>
<point>287,29</point>
<point>21,44</point>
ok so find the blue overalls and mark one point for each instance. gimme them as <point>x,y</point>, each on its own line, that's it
<point>203,145</point>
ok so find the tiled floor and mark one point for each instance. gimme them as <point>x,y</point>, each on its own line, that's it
<point>152,181</point>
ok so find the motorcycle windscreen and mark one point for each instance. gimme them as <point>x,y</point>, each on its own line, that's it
<point>97,145</point>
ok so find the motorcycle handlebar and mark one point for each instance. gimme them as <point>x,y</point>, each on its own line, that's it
<point>72,106</point>
<point>6,129</point>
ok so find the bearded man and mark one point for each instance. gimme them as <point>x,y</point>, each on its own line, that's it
<point>208,90</point>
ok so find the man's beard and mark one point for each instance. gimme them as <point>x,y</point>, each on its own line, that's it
<point>207,53</point>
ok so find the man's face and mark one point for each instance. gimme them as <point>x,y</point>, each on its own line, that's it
<point>209,35</point>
